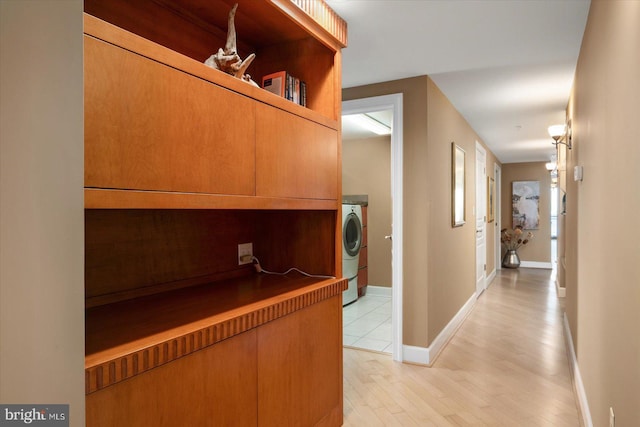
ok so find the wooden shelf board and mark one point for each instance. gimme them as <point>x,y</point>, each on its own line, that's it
<point>98,198</point>
<point>130,337</point>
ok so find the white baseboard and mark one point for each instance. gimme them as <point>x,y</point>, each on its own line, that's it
<point>384,291</point>
<point>426,356</point>
<point>562,292</point>
<point>577,378</point>
<point>414,354</point>
<point>491,276</point>
<point>536,264</point>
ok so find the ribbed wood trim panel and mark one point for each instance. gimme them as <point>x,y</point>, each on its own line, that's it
<point>119,369</point>
<point>326,17</point>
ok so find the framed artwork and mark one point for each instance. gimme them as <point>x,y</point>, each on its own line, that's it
<point>525,199</point>
<point>457,185</point>
<point>491,188</point>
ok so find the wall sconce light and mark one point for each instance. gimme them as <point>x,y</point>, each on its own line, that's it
<point>561,134</point>
<point>550,166</point>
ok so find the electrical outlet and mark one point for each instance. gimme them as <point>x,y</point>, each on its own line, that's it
<point>612,418</point>
<point>245,253</point>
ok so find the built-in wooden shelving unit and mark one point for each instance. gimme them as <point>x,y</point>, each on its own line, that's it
<point>182,164</point>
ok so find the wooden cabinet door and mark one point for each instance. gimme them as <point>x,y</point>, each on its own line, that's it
<point>300,367</point>
<point>294,157</point>
<point>215,386</point>
<point>151,127</point>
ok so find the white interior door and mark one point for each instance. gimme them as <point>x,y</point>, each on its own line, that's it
<point>481,219</point>
<point>497,172</point>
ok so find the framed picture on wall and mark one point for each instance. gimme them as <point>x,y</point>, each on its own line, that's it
<point>525,199</point>
<point>457,185</point>
<point>491,187</point>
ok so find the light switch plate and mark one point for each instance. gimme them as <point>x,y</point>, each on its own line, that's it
<point>577,173</point>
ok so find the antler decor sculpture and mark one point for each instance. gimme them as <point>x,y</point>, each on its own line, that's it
<point>228,60</point>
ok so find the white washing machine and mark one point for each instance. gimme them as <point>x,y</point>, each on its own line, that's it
<point>351,243</point>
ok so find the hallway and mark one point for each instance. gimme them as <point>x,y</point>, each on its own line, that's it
<point>506,366</point>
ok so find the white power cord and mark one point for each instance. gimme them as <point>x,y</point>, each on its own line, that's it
<point>259,269</point>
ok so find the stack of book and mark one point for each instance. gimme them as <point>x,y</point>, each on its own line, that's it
<point>287,86</point>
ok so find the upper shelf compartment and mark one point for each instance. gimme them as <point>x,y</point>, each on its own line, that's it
<point>281,34</point>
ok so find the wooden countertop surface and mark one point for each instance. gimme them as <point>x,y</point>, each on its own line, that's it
<point>130,337</point>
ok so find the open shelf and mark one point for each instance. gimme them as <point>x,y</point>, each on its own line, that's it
<point>130,337</point>
<point>105,31</point>
<point>191,31</point>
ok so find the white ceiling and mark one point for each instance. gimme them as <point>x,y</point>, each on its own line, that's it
<point>506,65</point>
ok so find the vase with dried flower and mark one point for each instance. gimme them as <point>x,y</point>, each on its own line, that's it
<point>512,240</point>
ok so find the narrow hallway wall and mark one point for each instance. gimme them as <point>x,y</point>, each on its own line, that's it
<point>606,138</point>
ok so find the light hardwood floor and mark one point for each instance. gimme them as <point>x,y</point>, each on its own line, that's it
<point>506,366</point>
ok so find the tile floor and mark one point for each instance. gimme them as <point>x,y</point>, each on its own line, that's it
<point>366,323</point>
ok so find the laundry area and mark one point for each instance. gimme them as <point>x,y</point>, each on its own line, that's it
<point>368,138</point>
<point>353,243</point>
<point>367,309</point>
<point>366,239</point>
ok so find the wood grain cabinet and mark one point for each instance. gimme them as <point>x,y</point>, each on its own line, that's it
<point>300,372</point>
<point>294,157</point>
<point>197,387</point>
<point>153,127</point>
<point>182,164</point>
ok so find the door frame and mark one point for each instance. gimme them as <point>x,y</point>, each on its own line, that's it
<point>378,103</point>
<point>481,188</point>
<point>497,173</point>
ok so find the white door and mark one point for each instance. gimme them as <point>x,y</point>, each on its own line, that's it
<point>497,173</point>
<point>481,216</point>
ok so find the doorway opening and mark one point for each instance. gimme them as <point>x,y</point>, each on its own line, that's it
<point>554,223</point>
<point>497,173</point>
<point>375,183</point>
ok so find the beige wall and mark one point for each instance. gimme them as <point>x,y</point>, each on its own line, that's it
<point>539,249</point>
<point>41,205</point>
<point>568,232</point>
<point>366,169</point>
<point>603,297</point>
<point>414,92</point>
<point>451,251</point>
<point>439,261</point>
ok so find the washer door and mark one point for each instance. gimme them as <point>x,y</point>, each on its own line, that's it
<point>352,234</point>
